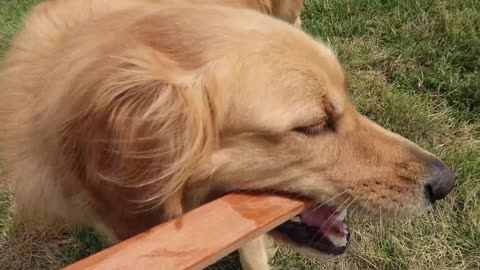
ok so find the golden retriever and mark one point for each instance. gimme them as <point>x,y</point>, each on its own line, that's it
<point>120,115</point>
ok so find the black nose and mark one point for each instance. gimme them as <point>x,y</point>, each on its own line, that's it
<point>441,181</point>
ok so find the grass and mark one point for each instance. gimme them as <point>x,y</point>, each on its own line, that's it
<point>11,14</point>
<point>413,67</point>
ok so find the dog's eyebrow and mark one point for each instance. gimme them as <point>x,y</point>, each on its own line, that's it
<point>334,107</point>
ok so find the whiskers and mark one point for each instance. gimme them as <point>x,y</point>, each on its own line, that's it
<point>329,200</point>
<point>363,208</point>
<point>340,208</point>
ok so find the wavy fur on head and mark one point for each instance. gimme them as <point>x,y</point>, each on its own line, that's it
<point>161,125</point>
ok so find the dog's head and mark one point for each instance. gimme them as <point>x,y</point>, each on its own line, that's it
<point>227,100</point>
<point>290,128</point>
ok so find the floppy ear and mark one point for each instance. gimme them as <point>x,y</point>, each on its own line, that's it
<point>146,124</point>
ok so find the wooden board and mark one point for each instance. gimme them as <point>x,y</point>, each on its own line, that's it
<point>197,239</point>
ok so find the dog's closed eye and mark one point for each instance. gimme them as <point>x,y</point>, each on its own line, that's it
<point>316,129</point>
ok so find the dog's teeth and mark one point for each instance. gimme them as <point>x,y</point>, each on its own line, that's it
<point>342,215</point>
<point>296,220</point>
<point>339,241</point>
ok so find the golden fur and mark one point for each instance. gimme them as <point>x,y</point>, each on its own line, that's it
<point>122,114</point>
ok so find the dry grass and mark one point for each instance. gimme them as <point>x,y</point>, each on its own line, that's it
<point>414,68</point>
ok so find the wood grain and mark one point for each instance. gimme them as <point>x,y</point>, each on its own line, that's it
<point>199,238</point>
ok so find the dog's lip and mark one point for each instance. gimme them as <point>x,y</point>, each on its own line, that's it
<point>321,228</point>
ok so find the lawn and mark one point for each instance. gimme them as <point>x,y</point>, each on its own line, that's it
<point>414,67</point>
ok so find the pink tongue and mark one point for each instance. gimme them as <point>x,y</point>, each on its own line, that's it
<point>324,218</point>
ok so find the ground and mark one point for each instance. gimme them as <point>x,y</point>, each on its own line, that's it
<point>414,67</point>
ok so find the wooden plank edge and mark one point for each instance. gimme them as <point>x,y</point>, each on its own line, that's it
<point>250,216</point>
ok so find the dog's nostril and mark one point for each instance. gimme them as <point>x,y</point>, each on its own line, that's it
<point>441,181</point>
<point>429,193</point>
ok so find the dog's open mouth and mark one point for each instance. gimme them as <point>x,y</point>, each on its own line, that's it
<point>321,228</point>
